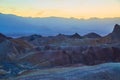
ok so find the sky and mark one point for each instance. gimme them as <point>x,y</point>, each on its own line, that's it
<point>62,8</point>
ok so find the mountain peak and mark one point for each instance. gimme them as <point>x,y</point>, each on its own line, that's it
<point>115,35</point>
<point>116,29</point>
<point>76,35</point>
<point>92,35</point>
<point>2,37</point>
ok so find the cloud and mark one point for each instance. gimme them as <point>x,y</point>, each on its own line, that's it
<point>40,13</point>
<point>13,10</point>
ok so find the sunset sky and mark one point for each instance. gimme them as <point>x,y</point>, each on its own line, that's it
<point>62,8</point>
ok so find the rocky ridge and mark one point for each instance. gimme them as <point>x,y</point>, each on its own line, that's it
<point>20,55</point>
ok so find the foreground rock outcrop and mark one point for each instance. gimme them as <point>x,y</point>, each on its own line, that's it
<point>109,71</point>
<point>73,55</point>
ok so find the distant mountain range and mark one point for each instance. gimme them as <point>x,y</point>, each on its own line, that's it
<point>12,25</point>
<point>24,55</point>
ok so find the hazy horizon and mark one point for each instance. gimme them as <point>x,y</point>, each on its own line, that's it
<point>60,17</point>
<point>13,25</point>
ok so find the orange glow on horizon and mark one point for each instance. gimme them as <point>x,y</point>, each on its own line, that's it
<point>62,8</point>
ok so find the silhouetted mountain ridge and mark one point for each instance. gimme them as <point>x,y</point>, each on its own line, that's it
<point>3,37</point>
<point>76,35</point>
<point>92,35</point>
